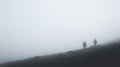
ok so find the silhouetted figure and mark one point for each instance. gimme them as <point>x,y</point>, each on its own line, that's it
<point>95,42</point>
<point>84,44</point>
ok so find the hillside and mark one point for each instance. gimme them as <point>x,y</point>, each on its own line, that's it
<point>95,56</point>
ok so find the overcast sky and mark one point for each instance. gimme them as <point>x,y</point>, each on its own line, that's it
<point>39,27</point>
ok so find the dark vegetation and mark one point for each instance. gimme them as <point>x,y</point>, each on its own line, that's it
<point>95,56</point>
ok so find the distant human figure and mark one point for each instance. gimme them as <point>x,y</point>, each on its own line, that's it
<point>84,44</point>
<point>95,42</point>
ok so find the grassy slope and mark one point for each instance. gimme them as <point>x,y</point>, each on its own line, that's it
<point>95,56</point>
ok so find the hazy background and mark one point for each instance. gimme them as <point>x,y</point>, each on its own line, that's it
<point>39,27</point>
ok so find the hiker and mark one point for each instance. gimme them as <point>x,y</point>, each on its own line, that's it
<point>84,44</point>
<point>95,42</point>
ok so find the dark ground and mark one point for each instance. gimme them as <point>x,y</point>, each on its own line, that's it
<point>95,56</point>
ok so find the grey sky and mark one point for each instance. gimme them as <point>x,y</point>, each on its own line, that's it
<point>39,27</point>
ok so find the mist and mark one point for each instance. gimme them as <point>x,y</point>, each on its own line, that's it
<point>39,27</point>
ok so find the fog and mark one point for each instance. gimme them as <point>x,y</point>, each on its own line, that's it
<point>39,27</point>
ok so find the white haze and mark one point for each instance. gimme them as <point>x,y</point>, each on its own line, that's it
<point>40,27</point>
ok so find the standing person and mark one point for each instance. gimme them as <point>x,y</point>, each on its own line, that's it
<point>84,44</point>
<point>95,42</point>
